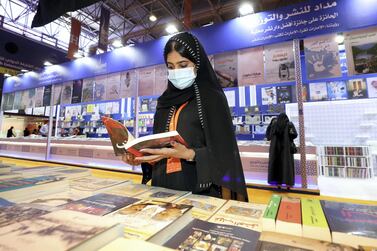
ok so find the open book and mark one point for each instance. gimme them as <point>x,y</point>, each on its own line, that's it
<point>123,141</point>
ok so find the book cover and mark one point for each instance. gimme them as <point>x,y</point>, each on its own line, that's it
<point>118,133</point>
<point>322,57</point>
<point>203,206</point>
<point>161,79</point>
<point>314,224</point>
<point>269,95</point>
<point>130,189</point>
<point>270,214</point>
<point>52,201</point>
<point>100,88</point>
<point>39,92</point>
<point>162,194</point>
<point>16,213</point>
<point>202,235</point>
<point>66,93</point>
<point>372,87</point>
<point>128,84</point>
<point>361,51</point>
<point>47,95</point>
<point>357,88</point>
<point>113,86</point>
<point>144,219</point>
<point>93,184</point>
<point>88,90</point>
<point>77,91</point>
<point>337,90</point>
<point>241,214</point>
<point>57,94</point>
<point>5,203</point>
<point>146,81</point>
<point>58,231</point>
<point>272,241</point>
<point>289,216</point>
<point>318,91</point>
<point>226,69</point>
<point>8,101</point>
<point>284,94</point>
<point>250,69</point>
<point>100,204</point>
<point>351,223</point>
<point>279,63</point>
<point>14,184</point>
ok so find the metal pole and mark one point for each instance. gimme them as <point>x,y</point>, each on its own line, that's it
<point>50,123</point>
<point>300,105</point>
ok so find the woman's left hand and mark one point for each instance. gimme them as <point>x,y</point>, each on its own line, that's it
<point>176,151</point>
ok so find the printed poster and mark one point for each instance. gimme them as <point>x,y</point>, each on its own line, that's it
<point>279,63</point>
<point>146,81</point>
<point>322,57</point>
<point>250,66</point>
<point>8,101</point>
<point>269,95</point>
<point>318,91</point>
<point>47,95</point>
<point>88,90</point>
<point>161,79</point>
<point>39,97</point>
<point>128,84</point>
<point>77,91</point>
<point>226,69</point>
<point>284,94</point>
<point>100,88</point>
<point>27,99</point>
<point>372,87</point>
<point>361,51</point>
<point>66,93</point>
<point>113,86</point>
<point>57,94</point>
<point>357,88</point>
<point>17,100</point>
<point>337,90</point>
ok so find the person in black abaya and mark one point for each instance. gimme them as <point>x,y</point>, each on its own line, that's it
<point>194,104</point>
<point>281,132</point>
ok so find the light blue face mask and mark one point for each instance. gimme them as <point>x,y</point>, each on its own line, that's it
<point>182,78</point>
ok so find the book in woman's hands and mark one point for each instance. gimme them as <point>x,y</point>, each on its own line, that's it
<point>123,141</point>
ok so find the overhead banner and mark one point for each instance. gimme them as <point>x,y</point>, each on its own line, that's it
<point>104,29</point>
<point>74,39</point>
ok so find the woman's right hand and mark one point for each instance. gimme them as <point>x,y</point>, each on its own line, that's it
<point>130,159</point>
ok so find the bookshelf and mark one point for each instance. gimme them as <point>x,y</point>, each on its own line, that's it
<point>345,161</point>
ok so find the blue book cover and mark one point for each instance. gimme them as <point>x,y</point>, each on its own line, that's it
<point>5,203</point>
<point>352,219</point>
<point>13,184</point>
<point>337,90</point>
<point>100,204</point>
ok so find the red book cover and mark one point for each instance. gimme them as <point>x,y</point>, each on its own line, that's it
<point>290,210</point>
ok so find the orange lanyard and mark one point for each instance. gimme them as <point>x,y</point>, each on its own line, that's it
<point>173,164</point>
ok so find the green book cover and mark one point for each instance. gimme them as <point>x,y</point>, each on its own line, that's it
<point>273,207</point>
<point>312,213</point>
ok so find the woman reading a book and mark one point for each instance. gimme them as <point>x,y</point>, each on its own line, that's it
<point>193,104</point>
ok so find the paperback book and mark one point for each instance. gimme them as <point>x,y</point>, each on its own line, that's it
<point>124,142</point>
<point>203,206</point>
<point>58,231</point>
<point>163,194</point>
<point>122,244</point>
<point>130,189</point>
<point>202,235</point>
<point>288,220</point>
<point>16,213</point>
<point>241,214</point>
<point>270,214</point>
<point>94,185</point>
<point>144,219</point>
<point>99,204</point>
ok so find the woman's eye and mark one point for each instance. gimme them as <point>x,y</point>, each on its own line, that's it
<point>183,65</point>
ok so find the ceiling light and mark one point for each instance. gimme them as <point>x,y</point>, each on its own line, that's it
<point>47,63</point>
<point>246,9</point>
<point>339,39</point>
<point>77,55</point>
<point>7,75</point>
<point>24,70</point>
<point>152,18</point>
<point>171,29</point>
<point>117,43</point>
